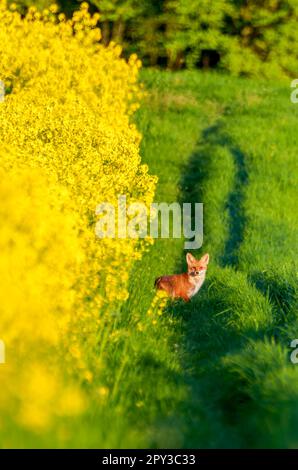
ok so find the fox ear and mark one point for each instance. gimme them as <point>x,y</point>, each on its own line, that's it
<point>205,259</point>
<point>190,259</point>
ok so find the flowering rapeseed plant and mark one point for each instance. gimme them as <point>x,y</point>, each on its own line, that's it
<point>67,144</point>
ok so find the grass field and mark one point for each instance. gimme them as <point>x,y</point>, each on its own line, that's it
<point>215,372</point>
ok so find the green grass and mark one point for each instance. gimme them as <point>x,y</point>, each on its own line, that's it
<point>215,372</point>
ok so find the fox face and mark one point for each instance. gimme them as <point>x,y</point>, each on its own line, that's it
<point>185,285</point>
<point>197,268</point>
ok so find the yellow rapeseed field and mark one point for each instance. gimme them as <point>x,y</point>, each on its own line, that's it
<point>67,144</point>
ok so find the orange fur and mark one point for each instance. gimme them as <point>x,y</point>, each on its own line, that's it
<point>185,285</point>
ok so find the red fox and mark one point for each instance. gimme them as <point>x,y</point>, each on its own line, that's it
<point>185,285</point>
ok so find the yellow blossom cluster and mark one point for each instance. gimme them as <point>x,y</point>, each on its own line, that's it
<point>67,144</point>
<point>158,304</point>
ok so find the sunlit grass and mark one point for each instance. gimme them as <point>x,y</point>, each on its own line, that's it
<point>217,372</point>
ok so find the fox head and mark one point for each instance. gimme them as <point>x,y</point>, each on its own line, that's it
<point>197,267</point>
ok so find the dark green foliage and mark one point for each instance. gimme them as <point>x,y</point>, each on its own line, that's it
<point>243,37</point>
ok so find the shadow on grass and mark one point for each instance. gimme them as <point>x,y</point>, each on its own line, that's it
<point>215,405</point>
<point>282,295</point>
<point>235,209</point>
<point>196,174</point>
<point>214,332</point>
<point>208,335</point>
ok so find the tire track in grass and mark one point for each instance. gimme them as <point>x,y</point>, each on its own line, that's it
<point>231,314</point>
<point>224,350</point>
<point>236,328</point>
<point>218,140</point>
<point>186,373</point>
<point>153,392</point>
<point>219,322</point>
<point>235,208</point>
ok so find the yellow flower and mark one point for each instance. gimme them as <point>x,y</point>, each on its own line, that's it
<point>67,144</point>
<point>54,8</point>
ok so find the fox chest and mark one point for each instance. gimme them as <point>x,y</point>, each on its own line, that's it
<point>194,287</point>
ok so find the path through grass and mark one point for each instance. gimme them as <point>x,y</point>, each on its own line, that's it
<point>216,372</point>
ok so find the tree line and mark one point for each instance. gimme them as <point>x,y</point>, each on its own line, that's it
<point>243,37</point>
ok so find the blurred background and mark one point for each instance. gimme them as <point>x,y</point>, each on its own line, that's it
<point>242,37</point>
